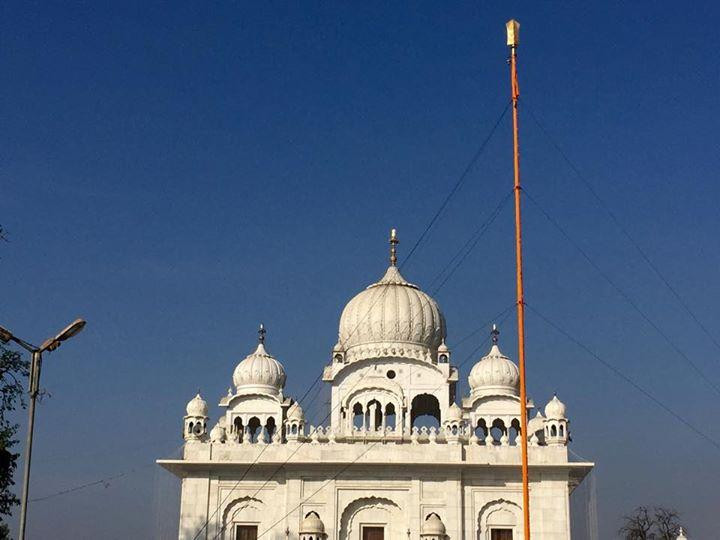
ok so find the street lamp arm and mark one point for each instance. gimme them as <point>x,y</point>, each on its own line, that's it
<point>49,344</point>
<point>6,335</point>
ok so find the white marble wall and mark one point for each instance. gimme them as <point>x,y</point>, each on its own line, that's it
<point>466,499</point>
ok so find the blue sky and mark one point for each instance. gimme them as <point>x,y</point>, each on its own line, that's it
<point>177,173</point>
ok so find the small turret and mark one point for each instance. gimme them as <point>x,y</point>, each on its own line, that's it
<point>196,419</point>
<point>312,527</point>
<point>295,423</point>
<point>433,528</point>
<point>556,424</point>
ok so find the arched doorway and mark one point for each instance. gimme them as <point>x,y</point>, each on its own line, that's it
<point>425,411</point>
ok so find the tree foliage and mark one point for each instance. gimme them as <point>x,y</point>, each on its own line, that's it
<point>13,371</point>
<point>646,524</point>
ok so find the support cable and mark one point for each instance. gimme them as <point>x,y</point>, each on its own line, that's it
<point>622,293</point>
<point>105,481</point>
<point>461,179</point>
<point>469,245</point>
<point>643,254</point>
<point>626,378</point>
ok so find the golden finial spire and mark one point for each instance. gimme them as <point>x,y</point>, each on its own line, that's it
<point>512,27</point>
<point>393,247</point>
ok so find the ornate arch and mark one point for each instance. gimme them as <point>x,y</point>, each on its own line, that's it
<point>348,520</point>
<point>496,507</point>
<point>376,384</point>
<point>238,505</point>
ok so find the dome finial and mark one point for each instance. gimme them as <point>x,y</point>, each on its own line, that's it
<point>261,333</point>
<point>495,333</point>
<point>393,247</point>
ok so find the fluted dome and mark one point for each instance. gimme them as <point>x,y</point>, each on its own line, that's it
<point>494,374</point>
<point>433,526</point>
<point>259,372</point>
<point>555,409</point>
<point>217,433</point>
<point>391,318</point>
<point>454,413</point>
<point>312,524</point>
<point>197,406</point>
<point>295,412</point>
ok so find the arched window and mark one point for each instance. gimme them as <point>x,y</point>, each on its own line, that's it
<point>239,429</point>
<point>190,428</point>
<point>481,429</point>
<point>390,416</point>
<point>425,411</point>
<point>254,426</point>
<point>514,431</point>
<point>553,430</point>
<point>562,430</point>
<point>270,428</point>
<point>358,416</point>
<point>497,430</point>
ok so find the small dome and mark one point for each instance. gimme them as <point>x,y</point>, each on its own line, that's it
<point>391,318</point>
<point>555,409</point>
<point>217,433</point>
<point>443,348</point>
<point>312,524</point>
<point>494,374</point>
<point>197,406</point>
<point>454,413</point>
<point>433,525</point>
<point>259,372</point>
<point>295,412</point>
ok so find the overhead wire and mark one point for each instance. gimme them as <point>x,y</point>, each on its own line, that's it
<point>626,378</point>
<point>460,179</point>
<point>469,245</point>
<point>422,236</point>
<point>105,481</point>
<point>601,202</point>
<point>622,293</point>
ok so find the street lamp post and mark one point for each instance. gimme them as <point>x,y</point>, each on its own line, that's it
<point>33,390</point>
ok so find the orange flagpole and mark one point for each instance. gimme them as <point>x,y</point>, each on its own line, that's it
<point>513,28</point>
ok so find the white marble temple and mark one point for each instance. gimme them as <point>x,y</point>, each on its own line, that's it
<point>401,457</point>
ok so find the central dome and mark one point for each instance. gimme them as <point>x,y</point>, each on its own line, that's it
<point>391,318</point>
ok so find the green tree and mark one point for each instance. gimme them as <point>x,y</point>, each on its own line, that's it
<point>13,371</point>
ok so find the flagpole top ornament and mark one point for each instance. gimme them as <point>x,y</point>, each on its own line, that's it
<point>513,33</point>
<point>393,247</point>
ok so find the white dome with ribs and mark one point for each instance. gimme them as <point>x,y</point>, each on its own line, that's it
<point>259,372</point>
<point>197,406</point>
<point>494,374</point>
<point>555,409</point>
<point>391,318</point>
